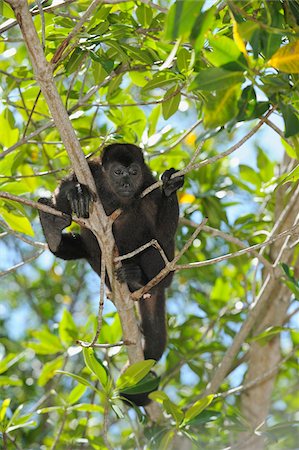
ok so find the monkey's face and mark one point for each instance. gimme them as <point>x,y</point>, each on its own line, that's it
<point>124,180</point>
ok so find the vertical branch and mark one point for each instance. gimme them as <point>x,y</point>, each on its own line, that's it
<point>98,222</point>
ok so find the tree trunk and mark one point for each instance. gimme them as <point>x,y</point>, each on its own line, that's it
<point>264,357</point>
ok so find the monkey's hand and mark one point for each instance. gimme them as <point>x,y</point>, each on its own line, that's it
<point>171,185</point>
<point>52,225</point>
<point>131,274</point>
<point>80,198</point>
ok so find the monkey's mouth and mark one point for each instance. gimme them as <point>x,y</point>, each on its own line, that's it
<point>126,192</point>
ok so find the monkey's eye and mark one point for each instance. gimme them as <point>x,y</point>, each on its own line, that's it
<point>133,170</point>
<point>117,172</point>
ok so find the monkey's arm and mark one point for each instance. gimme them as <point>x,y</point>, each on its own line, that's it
<point>69,197</point>
<point>168,211</point>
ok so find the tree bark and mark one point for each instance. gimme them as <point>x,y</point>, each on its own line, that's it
<point>264,357</point>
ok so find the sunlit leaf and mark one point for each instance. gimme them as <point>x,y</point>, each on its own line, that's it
<point>220,108</point>
<point>5,404</point>
<point>49,370</point>
<point>171,103</point>
<point>181,17</point>
<point>10,381</point>
<point>186,198</point>
<point>144,14</point>
<point>167,440</point>
<point>76,393</point>
<point>95,366</point>
<point>238,38</point>
<point>148,384</point>
<point>17,222</point>
<point>11,134</point>
<point>216,79</point>
<point>286,58</point>
<point>68,331</point>
<point>198,407</point>
<point>134,373</point>
<point>79,379</point>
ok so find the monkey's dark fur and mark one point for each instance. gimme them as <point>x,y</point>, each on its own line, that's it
<point>120,178</point>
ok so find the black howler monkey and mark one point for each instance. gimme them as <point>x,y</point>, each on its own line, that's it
<point>120,178</point>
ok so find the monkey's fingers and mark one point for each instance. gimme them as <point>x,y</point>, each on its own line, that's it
<point>80,198</point>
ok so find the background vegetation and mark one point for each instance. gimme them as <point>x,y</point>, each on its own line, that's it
<point>190,82</point>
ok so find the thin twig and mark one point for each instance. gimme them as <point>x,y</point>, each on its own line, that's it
<point>20,236</point>
<point>42,207</point>
<point>215,158</point>
<point>21,264</point>
<point>152,243</point>
<point>104,346</point>
<point>260,379</point>
<point>169,267</point>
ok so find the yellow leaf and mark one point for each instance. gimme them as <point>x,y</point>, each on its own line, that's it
<point>186,198</point>
<point>238,39</point>
<point>286,58</point>
<point>190,139</point>
<point>17,222</point>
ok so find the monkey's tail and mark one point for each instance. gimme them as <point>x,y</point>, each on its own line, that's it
<point>153,324</point>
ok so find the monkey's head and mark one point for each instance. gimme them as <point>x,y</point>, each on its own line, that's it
<point>123,167</point>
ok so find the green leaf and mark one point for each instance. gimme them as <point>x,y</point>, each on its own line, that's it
<point>145,15</point>
<point>153,119</point>
<point>49,370</point>
<point>198,407</point>
<point>181,17</point>
<point>221,107</point>
<point>140,78</point>
<point>183,59</point>
<point>159,81</point>
<point>48,344</point>
<point>167,439</point>
<point>292,176</point>
<point>216,78</point>
<point>148,384</point>
<point>171,104</point>
<point>95,366</point>
<point>267,335</point>
<point>203,23</point>
<point>134,373</point>
<point>11,135</point>
<point>9,361</point>
<point>9,381</point>
<point>291,121</point>
<point>15,415</point>
<point>76,393</point>
<point>223,52</point>
<point>75,60</point>
<point>80,380</point>
<point>158,396</point>
<point>49,409</point>
<point>139,54</point>
<point>265,166</point>
<point>68,332</point>
<point>246,29</point>
<point>87,407</point>
<point>22,425</point>
<point>172,409</point>
<point>248,174</point>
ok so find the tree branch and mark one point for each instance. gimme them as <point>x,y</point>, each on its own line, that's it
<point>98,222</point>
